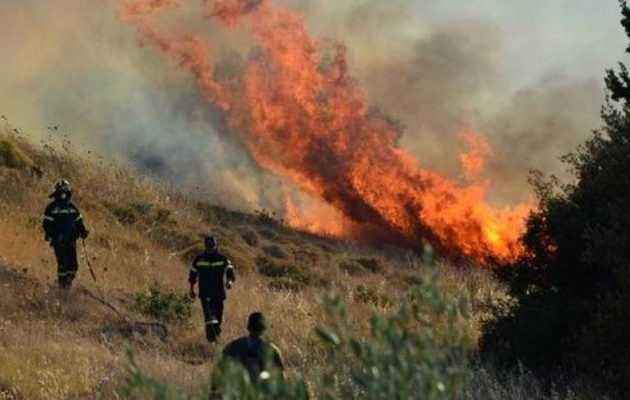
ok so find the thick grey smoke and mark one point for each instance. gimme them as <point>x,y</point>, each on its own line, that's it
<point>538,125</point>
<point>437,69</point>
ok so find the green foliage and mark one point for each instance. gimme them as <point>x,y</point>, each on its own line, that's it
<point>230,381</point>
<point>573,283</point>
<point>603,350</point>
<point>369,295</point>
<point>284,270</point>
<point>418,352</point>
<point>163,305</point>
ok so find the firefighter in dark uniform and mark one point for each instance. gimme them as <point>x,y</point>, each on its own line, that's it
<point>215,273</point>
<point>63,225</point>
<point>258,356</point>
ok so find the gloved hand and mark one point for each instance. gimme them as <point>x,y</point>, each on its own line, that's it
<point>228,285</point>
<point>84,234</point>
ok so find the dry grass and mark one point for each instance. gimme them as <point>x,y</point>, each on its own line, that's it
<point>55,345</point>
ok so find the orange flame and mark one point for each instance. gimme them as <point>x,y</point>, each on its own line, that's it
<point>315,218</point>
<point>474,161</point>
<point>311,124</point>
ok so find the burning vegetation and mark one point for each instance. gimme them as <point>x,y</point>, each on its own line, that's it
<point>302,117</point>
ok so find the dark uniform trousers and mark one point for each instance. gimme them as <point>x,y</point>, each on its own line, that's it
<point>67,265</point>
<point>213,316</point>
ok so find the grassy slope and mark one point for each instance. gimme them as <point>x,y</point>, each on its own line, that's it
<point>55,345</point>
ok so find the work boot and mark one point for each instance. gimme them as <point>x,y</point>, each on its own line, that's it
<point>64,283</point>
<point>213,330</point>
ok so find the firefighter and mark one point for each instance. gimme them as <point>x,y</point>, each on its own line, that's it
<point>215,273</point>
<point>63,225</point>
<point>257,355</point>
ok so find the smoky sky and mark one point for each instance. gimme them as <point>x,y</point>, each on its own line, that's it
<point>527,75</point>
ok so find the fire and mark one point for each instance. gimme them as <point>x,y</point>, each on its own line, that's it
<point>315,218</point>
<point>474,161</point>
<point>311,124</point>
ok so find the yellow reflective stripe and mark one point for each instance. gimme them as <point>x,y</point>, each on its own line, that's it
<point>66,273</point>
<point>46,217</point>
<point>78,218</point>
<point>218,263</point>
<point>193,269</point>
<point>202,264</point>
<point>213,322</point>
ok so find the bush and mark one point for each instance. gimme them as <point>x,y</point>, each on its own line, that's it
<point>419,352</point>
<point>163,305</point>
<point>572,284</point>
<point>369,295</point>
<point>274,269</point>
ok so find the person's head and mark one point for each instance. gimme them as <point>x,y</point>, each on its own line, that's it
<point>62,190</point>
<point>211,244</point>
<point>256,324</point>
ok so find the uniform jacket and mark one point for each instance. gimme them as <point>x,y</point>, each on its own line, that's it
<point>211,270</point>
<point>255,354</point>
<point>62,220</point>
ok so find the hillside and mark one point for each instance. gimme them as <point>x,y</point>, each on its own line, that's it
<point>70,345</point>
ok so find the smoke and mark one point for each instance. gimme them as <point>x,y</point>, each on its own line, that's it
<point>537,126</point>
<point>79,67</point>
<point>75,65</point>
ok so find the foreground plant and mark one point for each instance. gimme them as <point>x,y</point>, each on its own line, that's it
<point>420,351</point>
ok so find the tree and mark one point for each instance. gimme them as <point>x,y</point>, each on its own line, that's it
<point>573,284</point>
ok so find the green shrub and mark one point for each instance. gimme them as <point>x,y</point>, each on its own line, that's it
<point>274,269</point>
<point>163,305</point>
<point>162,215</point>
<point>572,282</point>
<point>369,295</point>
<point>419,352</point>
<point>603,353</point>
<point>142,209</point>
